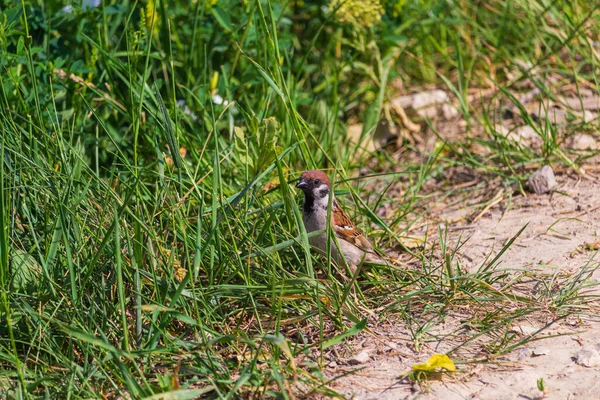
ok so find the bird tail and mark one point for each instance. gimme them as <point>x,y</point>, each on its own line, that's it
<point>374,258</point>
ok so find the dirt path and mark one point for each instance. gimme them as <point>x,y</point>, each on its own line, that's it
<point>559,224</point>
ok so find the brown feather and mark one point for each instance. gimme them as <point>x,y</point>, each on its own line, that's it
<point>345,229</point>
<point>314,175</point>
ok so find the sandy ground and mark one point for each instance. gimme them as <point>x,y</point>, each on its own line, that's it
<point>558,225</point>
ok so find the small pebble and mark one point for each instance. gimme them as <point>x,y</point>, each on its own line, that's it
<point>525,329</point>
<point>392,345</point>
<point>540,351</point>
<point>359,358</point>
<point>429,98</point>
<point>502,130</point>
<point>426,104</point>
<point>522,353</point>
<point>543,180</point>
<point>526,135</point>
<point>449,111</point>
<point>582,141</point>
<point>588,357</point>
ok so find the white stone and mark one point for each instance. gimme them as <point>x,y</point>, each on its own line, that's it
<point>427,104</point>
<point>588,357</point>
<point>527,132</point>
<point>428,112</point>
<point>525,329</point>
<point>540,351</point>
<point>429,98</point>
<point>582,141</point>
<point>359,358</point>
<point>526,135</point>
<point>449,111</point>
<point>502,130</point>
<point>589,116</point>
<point>392,345</point>
<point>522,353</point>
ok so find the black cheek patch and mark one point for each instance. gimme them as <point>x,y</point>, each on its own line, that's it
<point>323,192</point>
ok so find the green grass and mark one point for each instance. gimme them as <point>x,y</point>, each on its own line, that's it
<point>130,269</point>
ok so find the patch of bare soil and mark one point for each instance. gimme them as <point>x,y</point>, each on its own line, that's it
<point>559,240</point>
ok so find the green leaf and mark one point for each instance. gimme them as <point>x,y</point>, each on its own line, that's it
<point>25,269</point>
<point>21,46</point>
<point>540,385</point>
<point>267,78</point>
<point>241,146</point>
<point>93,340</point>
<point>58,233</point>
<point>222,18</point>
<point>168,126</point>
<point>267,137</point>
<point>282,344</point>
<point>183,394</point>
<point>350,332</point>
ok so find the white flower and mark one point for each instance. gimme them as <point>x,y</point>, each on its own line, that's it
<point>186,109</point>
<point>219,100</point>
<point>85,5</point>
<point>88,4</point>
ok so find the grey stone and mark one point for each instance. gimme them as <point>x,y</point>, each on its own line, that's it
<point>588,357</point>
<point>522,352</point>
<point>542,180</point>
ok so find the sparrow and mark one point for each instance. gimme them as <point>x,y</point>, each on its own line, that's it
<point>353,244</point>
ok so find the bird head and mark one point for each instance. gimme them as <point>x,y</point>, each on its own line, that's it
<point>314,183</point>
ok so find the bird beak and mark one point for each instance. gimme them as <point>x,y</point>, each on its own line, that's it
<point>301,184</point>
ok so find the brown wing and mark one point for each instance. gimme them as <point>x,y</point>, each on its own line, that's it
<point>345,229</point>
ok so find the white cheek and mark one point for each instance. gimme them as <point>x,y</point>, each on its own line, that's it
<point>321,191</point>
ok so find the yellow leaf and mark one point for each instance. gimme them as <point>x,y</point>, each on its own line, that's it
<point>413,242</point>
<point>442,148</point>
<point>152,18</point>
<point>436,363</point>
<point>214,81</point>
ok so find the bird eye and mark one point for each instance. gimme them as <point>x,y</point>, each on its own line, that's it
<point>317,181</point>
